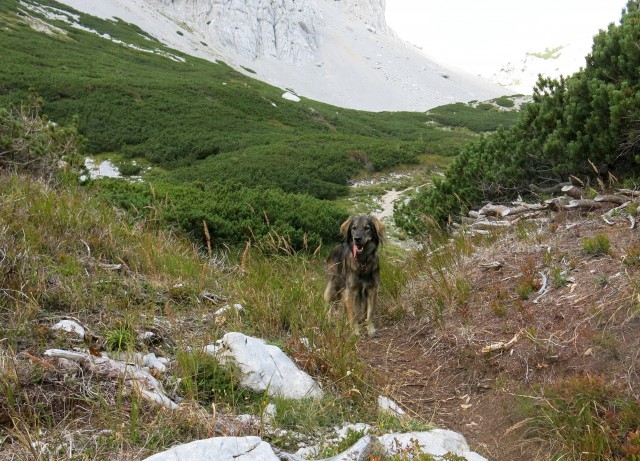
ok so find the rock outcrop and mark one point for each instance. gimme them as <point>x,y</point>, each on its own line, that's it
<point>282,29</point>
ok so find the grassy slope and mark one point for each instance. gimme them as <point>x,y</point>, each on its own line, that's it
<point>57,244</point>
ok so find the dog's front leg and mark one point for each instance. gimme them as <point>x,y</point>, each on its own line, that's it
<point>349,302</point>
<point>372,299</point>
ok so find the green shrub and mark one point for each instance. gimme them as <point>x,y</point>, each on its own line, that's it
<point>30,143</point>
<point>505,102</point>
<point>129,168</point>
<point>573,124</point>
<point>233,214</point>
<point>121,338</point>
<point>479,119</point>
<point>205,380</point>
<point>598,245</point>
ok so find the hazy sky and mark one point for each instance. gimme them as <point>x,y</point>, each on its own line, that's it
<point>480,35</point>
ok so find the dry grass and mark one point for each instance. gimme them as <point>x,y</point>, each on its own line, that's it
<point>66,255</point>
<point>573,314</point>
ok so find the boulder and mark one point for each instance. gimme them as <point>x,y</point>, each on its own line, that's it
<point>437,442</point>
<point>265,368</point>
<point>219,449</point>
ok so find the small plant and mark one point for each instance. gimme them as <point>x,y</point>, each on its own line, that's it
<point>527,283</point>
<point>598,245</point>
<point>559,276</point>
<point>632,258</point>
<point>122,338</point>
<point>206,380</point>
<point>129,168</point>
<point>348,441</point>
<point>390,423</point>
<point>590,193</point>
<point>602,280</point>
<point>498,308</point>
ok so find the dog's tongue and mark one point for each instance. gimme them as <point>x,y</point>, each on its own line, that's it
<point>357,249</point>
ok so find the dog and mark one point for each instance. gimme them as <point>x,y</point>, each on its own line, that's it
<point>353,270</point>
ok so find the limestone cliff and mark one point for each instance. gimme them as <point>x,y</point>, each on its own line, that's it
<point>282,29</point>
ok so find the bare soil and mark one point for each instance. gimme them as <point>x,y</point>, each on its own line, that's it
<point>585,323</point>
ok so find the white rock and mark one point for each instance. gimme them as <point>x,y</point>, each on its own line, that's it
<point>227,308</point>
<point>291,97</point>
<point>104,169</point>
<point>389,406</point>
<point>360,451</point>
<point>70,327</point>
<point>357,427</point>
<point>269,413</point>
<point>265,367</point>
<point>437,442</point>
<point>219,449</point>
<point>151,361</point>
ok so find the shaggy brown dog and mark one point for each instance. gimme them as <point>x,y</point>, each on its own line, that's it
<point>353,269</point>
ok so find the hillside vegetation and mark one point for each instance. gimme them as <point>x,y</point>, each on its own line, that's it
<point>585,125</point>
<point>567,389</point>
<point>144,267</point>
<point>211,134</point>
<point>66,253</point>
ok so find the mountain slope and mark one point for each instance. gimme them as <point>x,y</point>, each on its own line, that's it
<point>341,53</point>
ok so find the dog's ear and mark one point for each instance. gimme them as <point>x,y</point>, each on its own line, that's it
<point>378,228</point>
<point>345,229</point>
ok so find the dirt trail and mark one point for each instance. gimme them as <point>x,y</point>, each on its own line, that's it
<point>431,361</point>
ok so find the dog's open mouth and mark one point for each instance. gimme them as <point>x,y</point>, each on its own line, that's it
<point>357,248</point>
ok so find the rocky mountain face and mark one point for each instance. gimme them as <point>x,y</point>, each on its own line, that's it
<point>283,29</point>
<point>337,51</point>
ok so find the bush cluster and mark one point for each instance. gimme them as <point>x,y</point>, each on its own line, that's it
<point>584,125</point>
<point>233,214</point>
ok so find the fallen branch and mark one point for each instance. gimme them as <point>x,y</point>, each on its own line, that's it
<point>629,192</point>
<point>543,289</point>
<point>548,190</point>
<point>557,204</point>
<point>135,377</point>
<point>617,199</point>
<point>495,265</point>
<point>497,211</point>
<point>487,225</point>
<point>501,346</point>
<point>584,204</point>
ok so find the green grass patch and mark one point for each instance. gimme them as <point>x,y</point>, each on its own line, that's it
<point>586,418</point>
<point>478,119</point>
<point>597,245</point>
